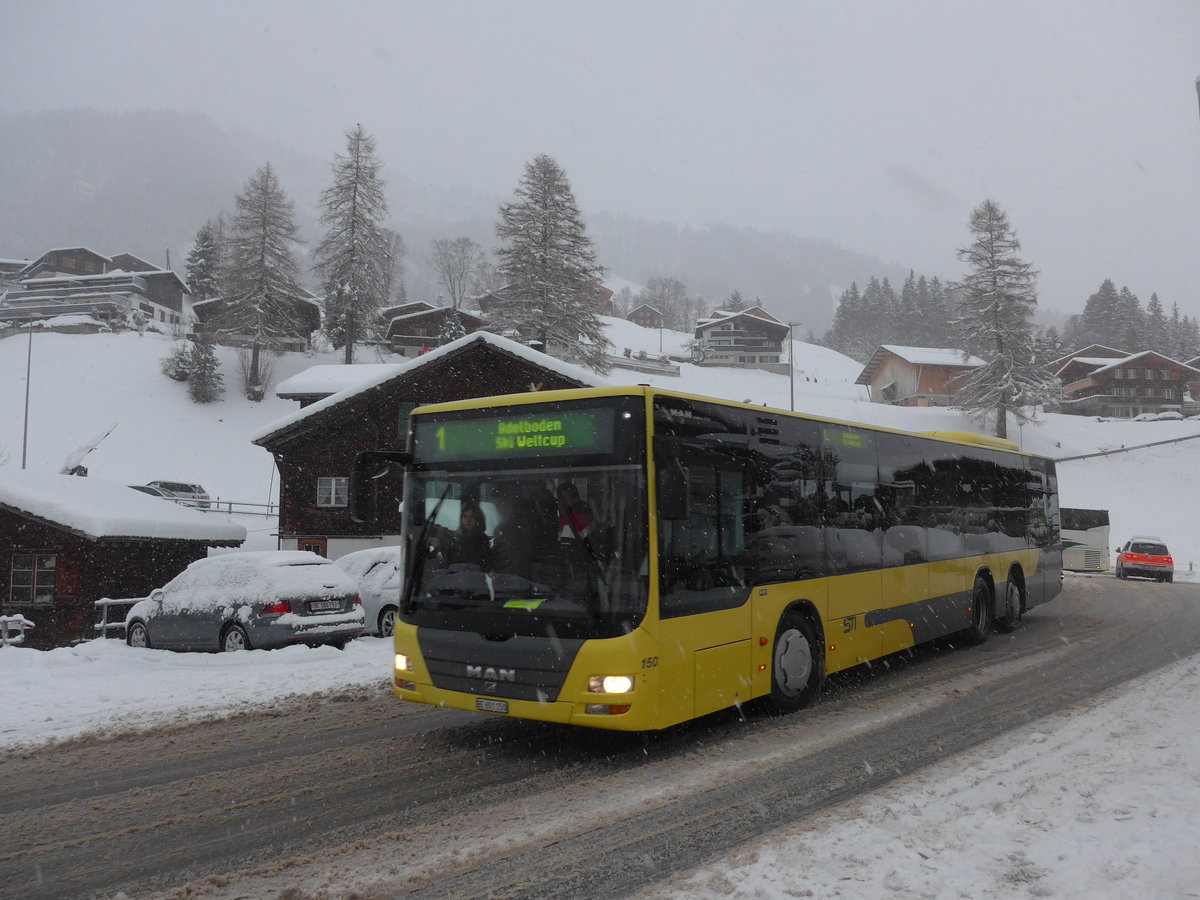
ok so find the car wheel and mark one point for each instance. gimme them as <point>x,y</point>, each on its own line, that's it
<point>1170,578</point>
<point>1012,608</point>
<point>387,621</point>
<point>796,671</point>
<point>235,638</point>
<point>138,636</point>
<point>981,619</point>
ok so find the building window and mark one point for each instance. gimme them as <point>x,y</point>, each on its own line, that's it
<point>1132,373</point>
<point>1164,374</point>
<point>32,581</point>
<point>1120,374</point>
<point>1149,374</point>
<point>1169,393</point>
<point>333,491</point>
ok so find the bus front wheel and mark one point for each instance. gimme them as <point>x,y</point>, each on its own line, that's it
<point>981,619</point>
<point>795,665</point>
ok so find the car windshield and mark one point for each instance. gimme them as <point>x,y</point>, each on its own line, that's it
<point>547,552</point>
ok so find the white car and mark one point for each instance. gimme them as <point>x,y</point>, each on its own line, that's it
<point>379,573</point>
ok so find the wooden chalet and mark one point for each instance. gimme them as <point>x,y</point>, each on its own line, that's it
<point>122,289</point>
<point>1103,381</point>
<point>646,315</point>
<point>66,542</point>
<point>217,318</point>
<point>916,376</point>
<point>748,338</point>
<point>411,332</point>
<point>314,448</point>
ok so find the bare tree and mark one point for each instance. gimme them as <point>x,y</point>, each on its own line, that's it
<point>455,261</point>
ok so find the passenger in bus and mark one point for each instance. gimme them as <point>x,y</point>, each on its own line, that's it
<point>574,514</point>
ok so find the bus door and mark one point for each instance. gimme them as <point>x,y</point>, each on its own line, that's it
<point>703,587</point>
<point>905,577</point>
<point>853,543</point>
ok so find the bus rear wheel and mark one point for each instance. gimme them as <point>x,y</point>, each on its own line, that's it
<point>1012,607</point>
<point>795,665</point>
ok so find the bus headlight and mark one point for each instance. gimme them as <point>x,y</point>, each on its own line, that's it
<point>403,663</point>
<point>610,684</point>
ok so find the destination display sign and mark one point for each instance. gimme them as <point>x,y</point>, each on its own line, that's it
<point>534,434</point>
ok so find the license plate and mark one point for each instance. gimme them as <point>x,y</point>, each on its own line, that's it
<point>324,605</point>
<point>496,706</point>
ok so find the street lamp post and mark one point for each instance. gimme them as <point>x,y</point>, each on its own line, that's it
<point>792,361</point>
<point>28,368</point>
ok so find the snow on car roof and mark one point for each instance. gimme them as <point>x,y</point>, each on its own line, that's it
<point>103,509</point>
<point>256,577</point>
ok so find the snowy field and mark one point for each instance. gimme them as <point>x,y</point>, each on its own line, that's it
<point>1107,806</point>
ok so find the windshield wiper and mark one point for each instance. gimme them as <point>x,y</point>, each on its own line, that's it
<point>422,543</point>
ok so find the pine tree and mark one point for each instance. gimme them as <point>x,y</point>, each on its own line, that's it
<point>452,327</point>
<point>204,264</point>
<point>1156,327</point>
<point>735,303</point>
<point>1099,322</point>
<point>393,267</point>
<point>260,286</point>
<point>996,323</point>
<point>205,383</point>
<point>352,258</point>
<point>550,267</point>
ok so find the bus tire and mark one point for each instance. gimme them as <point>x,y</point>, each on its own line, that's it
<point>981,619</point>
<point>796,668</point>
<point>1007,620</point>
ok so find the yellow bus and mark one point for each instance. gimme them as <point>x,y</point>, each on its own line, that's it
<point>652,556</point>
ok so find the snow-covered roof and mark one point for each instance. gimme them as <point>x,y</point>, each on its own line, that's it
<point>387,373</point>
<point>1111,353</point>
<point>933,356</point>
<point>1117,363</point>
<point>917,356</point>
<point>329,379</point>
<point>101,509</point>
<point>112,274</point>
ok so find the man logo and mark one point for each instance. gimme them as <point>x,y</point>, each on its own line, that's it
<point>491,673</point>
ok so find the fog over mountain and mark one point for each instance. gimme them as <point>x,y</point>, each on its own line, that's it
<point>144,182</point>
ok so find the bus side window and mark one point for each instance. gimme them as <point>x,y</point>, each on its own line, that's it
<point>703,555</point>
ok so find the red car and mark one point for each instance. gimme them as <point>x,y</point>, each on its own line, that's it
<point>1147,557</point>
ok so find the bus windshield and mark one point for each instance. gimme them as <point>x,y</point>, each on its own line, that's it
<point>559,552</point>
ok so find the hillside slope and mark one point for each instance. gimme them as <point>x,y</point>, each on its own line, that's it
<point>83,384</point>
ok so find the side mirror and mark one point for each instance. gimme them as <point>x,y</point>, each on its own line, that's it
<point>370,465</point>
<point>157,596</point>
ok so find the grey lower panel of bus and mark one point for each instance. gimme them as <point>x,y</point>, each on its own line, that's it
<point>929,619</point>
<point>519,668</point>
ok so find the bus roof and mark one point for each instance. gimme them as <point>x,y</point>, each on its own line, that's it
<point>957,437</point>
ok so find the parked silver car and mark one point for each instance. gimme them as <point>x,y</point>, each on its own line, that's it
<point>184,490</point>
<point>154,491</point>
<point>378,573</point>
<point>241,601</point>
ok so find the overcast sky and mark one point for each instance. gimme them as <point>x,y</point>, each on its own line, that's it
<point>877,125</point>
